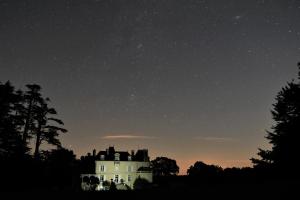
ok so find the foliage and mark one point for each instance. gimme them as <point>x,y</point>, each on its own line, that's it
<point>141,184</point>
<point>163,166</point>
<point>86,180</point>
<point>11,143</point>
<point>284,134</point>
<point>61,165</point>
<point>24,116</point>
<point>94,182</point>
<point>112,186</point>
<point>45,130</point>
<point>204,170</point>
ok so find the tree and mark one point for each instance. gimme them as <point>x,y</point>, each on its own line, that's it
<point>94,183</point>
<point>22,116</point>
<point>45,131</point>
<point>106,185</point>
<point>141,184</point>
<point>30,100</point>
<point>112,186</point>
<point>284,135</point>
<point>204,170</point>
<point>60,166</point>
<point>11,144</point>
<point>163,166</point>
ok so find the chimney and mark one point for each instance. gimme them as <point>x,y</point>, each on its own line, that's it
<point>94,153</point>
<point>132,152</point>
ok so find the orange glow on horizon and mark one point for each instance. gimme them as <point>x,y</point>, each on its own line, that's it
<point>184,165</point>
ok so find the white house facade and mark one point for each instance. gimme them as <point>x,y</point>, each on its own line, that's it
<point>121,168</point>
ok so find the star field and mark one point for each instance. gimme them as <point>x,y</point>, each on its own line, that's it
<point>191,80</point>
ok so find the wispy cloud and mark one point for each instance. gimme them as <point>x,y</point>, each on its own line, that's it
<point>216,139</point>
<point>127,136</point>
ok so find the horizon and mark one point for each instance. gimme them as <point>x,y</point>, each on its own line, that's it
<point>183,166</point>
<point>190,80</point>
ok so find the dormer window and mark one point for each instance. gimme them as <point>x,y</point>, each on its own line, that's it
<point>102,157</point>
<point>129,158</point>
<point>117,156</point>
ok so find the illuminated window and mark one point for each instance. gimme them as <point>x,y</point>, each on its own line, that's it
<point>101,178</point>
<point>102,168</point>
<point>129,178</point>
<point>116,178</point>
<point>129,168</point>
<point>102,157</point>
<point>129,158</point>
<point>117,156</point>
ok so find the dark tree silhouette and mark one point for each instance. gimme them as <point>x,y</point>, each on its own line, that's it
<point>284,136</point>
<point>204,170</point>
<point>112,186</point>
<point>23,115</point>
<point>45,130</point>
<point>30,100</point>
<point>11,143</point>
<point>94,182</point>
<point>106,184</point>
<point>163,166</point>
<point>87,164</point>
<point>61,167</point>
<point>141,184</point>
<point>86,180</point>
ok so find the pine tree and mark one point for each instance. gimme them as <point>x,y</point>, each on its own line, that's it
<point>31,99</point>
<point>284,135</point>
<point>45,126</point>
<point>11,143</point>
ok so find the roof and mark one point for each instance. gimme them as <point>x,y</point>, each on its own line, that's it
<point>110,155</point>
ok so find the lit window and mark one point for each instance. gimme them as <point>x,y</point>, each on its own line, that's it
<point>129,158</point>
<point>129,168</point>
<point>129,178</point>
<point>101,178</point>
<point>102,168</point>
<point>116,178</point>
<point>117,156</point>
<point>102,157</point>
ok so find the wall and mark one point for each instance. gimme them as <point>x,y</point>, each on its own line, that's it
<point>123,169</point>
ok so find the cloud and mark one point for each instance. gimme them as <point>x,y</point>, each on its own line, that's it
<point>127,136</point>
<point>216,139</point>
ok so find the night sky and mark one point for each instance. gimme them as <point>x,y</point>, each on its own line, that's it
<point>187,79</point>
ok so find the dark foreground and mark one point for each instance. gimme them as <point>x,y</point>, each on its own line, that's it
<point>267,190</point>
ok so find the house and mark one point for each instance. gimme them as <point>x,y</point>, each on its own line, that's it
<point>121,167</point>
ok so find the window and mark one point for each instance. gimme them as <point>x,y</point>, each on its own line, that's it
<point>129,168</point>
<point>117,156</point>
<point>101,178</point>
<point>129,158</point>
<point>116,178</point>
<point>129,178</point>
<point>102,157</point>
<point>102,168</point>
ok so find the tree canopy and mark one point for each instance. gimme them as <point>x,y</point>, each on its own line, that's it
<point>163,166</point>
<point>11,143</point>
<point>284,134</point>
<point>204,170</point>
<point>26,115</point>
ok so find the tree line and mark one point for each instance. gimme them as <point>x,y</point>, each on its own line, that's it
<point>25,117</point>
<point>26,122</point>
